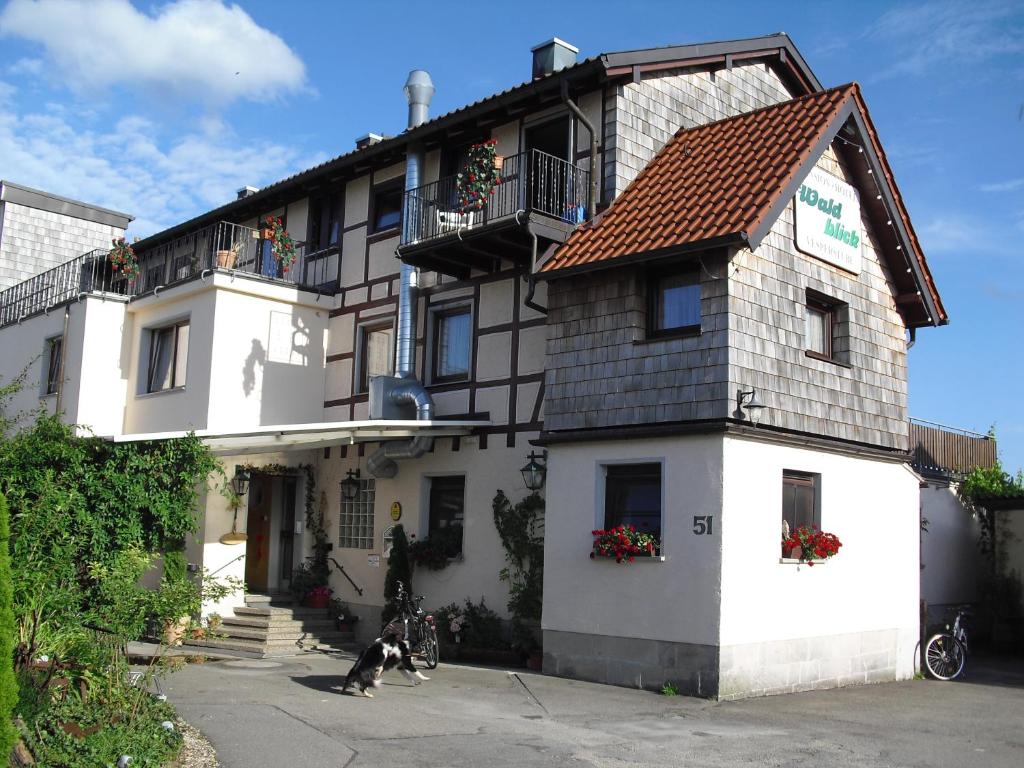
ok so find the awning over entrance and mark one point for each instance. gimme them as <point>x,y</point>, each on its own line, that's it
<point>282,437</point>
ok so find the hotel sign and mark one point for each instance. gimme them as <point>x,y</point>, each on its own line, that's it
<point>828,224</point>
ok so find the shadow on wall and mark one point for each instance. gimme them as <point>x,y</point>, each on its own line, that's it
<point>284,373</point>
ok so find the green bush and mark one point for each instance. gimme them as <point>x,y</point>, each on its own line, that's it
<point>8,682</point>
<point>399,570</point>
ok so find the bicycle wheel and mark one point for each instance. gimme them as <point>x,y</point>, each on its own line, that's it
<point>430,651</point>
<point>944,657</point>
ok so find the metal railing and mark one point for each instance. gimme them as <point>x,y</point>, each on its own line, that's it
<point>222,245</point>
<point>531,181</point>
<point>88,273</point>
<point>936,448</point>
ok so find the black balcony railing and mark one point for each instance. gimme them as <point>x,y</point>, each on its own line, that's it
<point>222,245</point>
<point>531,182</point>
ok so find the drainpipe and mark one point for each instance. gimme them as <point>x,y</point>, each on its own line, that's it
<point>592,192</point>
<point>408,390</point>
<point>531,279</point>
<point>63,358</point>
<point>913,338</point>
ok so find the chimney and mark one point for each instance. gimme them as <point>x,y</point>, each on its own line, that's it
<point>551,56</point>
<point>247,191</point>
<point>368,140</point>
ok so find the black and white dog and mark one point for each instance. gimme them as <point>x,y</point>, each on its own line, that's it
<point>382,654</point>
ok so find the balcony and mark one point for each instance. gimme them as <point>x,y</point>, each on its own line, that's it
<point>538,192</point>
<point>945,451</point>
<point>219,246</point>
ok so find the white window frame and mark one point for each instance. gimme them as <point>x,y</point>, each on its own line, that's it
<point>48,345</point>
<point>448,307</point>
<point>362,332</point>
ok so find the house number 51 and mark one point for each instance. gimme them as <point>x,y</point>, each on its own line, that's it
<point>702,524</point>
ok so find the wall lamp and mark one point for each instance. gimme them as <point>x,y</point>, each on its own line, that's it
<point>748,399</point>
<point>535,473</point>
<point>240,481</point>
<point>350,485</point>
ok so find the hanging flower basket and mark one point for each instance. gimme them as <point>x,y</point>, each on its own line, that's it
<point>809,544</point>
<point>481,174</point>
<point>282,247</point>
<point>624,543</point>
<point>122,258</point>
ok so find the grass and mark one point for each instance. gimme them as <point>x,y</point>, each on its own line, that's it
<point>669,689</point>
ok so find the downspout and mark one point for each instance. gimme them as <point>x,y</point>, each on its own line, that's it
<point>63,358</point>
<point>531,278</point>
<point>913,338</point>
<point>408,391</point>
<point>592,192</point>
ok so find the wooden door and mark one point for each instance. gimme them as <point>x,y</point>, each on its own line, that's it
<point>257,546</point>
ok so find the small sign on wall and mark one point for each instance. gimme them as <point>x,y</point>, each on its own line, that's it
<point>828,224</point>
<point>373,561</point>
<point>396,511</point>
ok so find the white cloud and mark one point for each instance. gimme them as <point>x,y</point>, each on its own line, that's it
<point>133,168</point>
<point>950,33</point>
<point>201,49</point>
<point>957,233</point>
<point>1010,185</point>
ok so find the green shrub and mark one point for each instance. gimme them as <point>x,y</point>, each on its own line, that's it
<point>483,627</point>
<point>8,682</point>
<point>399,570</point>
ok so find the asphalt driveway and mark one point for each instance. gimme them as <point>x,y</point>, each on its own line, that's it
<point>289,712</point>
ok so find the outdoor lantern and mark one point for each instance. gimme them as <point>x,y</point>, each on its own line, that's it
<point>534,473</point>
<point>350,486</point>
<point>752,403</point>
<point>241,480</point>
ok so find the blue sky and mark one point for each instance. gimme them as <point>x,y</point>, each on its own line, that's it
<point>162,110</point>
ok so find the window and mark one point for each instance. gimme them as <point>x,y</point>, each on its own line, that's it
<point>451,345</point>
<point>800,499</point>
<point>632,496</point>
<point>375,353</point>
<point>387,207</point>
<point>168,357</point>
<point>674,303</point>
<point>356,528</point>
<point>827,323</point>
<point>54,349</point>
<point>446,505</point>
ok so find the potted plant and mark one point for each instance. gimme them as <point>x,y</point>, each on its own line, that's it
<point>482,173</point>
<point>317,597</point>
<point>282,247</point>
<point>227,259</point>
<point>343,616</point>
<point>122,258</point>
<point>623,543</point>
<point>808,544</point>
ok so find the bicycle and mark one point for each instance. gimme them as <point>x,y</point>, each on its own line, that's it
<point>945,653</point>
<point>415,626</point>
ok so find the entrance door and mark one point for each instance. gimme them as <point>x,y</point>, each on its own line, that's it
<point>286,536</point>
<point>257,546</point>
<point>548,167</point>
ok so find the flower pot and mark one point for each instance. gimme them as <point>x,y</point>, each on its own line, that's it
<point>226,259</point>
<point>316,601</point>
<point>535,661</point>
<point>499,163</point>
<point>174,630</point>
<point>265,233</point>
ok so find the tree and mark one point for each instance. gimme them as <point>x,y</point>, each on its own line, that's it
<point>399,570</point>
<point>8,683</point>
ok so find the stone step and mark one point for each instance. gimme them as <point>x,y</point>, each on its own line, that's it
<point>263,622</point>
<point>258,598</point>
<point>272,635</point>
<point>264,650</point>
<point>277,611</point>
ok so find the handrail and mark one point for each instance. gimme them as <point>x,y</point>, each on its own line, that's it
<point>229,562</point>
<point>341,569</point>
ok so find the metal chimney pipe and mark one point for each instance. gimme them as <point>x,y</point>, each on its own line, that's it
<point>419,90</point>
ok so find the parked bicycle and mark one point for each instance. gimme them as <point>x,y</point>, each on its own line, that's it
<point>945,654</point>
<point>415,626</point>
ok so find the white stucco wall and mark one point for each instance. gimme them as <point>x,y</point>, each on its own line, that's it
<point>862,604</point>
<point>673,600</point>
<point>950,560</point>
<point>476,575</point>
<point>23,346</point>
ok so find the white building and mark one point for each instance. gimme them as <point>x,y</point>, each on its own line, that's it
<point>629,346</point>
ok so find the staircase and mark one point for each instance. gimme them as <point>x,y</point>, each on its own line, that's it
<point>269,625</point>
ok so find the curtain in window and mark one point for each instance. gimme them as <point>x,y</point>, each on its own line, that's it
<point>679,301</point>
<point>378,352</point>
<point>633,497</point>
<point>180,356</point>
<point>160,351</point>
<point>798,501</point>
<point>53,365</point>
<point>453,345</point>
<point>817,327</point>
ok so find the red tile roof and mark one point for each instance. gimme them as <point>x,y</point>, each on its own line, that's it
<point>722,182</point>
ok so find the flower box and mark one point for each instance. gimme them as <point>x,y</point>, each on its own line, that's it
<point>623,544</point>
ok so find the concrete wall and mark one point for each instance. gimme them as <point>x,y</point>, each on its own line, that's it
<point>640,623</point>
<point>865,401</point>
<point>951,563</point>
<point>852,619</point>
